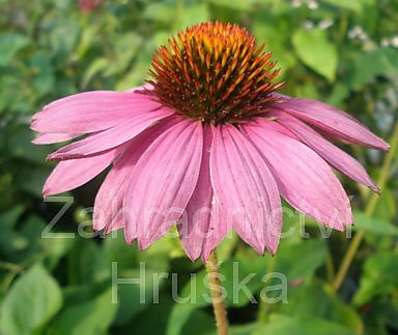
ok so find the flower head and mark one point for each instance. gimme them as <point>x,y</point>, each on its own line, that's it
<point>215,73</point>
<point>208,144</point>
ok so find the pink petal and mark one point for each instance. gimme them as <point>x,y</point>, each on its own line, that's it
<point>333,121</point>
<point>111,138</point>
<point>304,179</point>
<point>91,111</point>
<point>163,181</point>
<point>73,173</point>
<point>246,189</point>
<point>50,138</point>
<point>202,229</point>
<point>109,200</point>
<point>328,151</point>
<point>109,212</point>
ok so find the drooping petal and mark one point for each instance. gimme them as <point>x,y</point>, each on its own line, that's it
<point>108,206</point>
<point>73,173</point>
<point>304,179</point>
<point>50,138</point>
<point>163,181</point>
<point>109,213</point>
<point>91,111</point>
<point>246,189</point>
<point>202,229</point>
<point>111,138</point>
<point>332,121</point>
<point>328,151</point>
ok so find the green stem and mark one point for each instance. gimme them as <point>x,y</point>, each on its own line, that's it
<point>370,208</point>
<point>220,312</point>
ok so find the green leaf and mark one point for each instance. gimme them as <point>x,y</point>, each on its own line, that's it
<point>179,317</point>
<point>316,51</point>
<point>135,297</point>
<point>32,301</point>
<point>313,300</point>
<point>384,62</point>
<point>374,225</point>
<point>11,241</point>
<point>98,65</point>
<point>44,78</point>
<point>275,37</point>
<point>293,260</point>
<point>125,48</point>
<point>10,44</point>
<point>152,320</point>
<point>247,329</point>
<point>21,147</point>
<point>380,277</point>
<point>225,248</point>
<point>117,250</point>
<point>300,260</point>
<point>139,71</point>
<point>199,323</point>
<point>89,318</point>
<point>196,294</point>
<point>284,325</point>
<point>88,263</point>
<point>31,179</point>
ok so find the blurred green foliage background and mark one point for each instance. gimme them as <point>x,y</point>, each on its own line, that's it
<point>343,52</point>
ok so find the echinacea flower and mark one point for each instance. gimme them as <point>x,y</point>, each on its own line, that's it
<point>208,144</point>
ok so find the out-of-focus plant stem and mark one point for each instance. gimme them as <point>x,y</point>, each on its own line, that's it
<point>220,312</point>
<point>370,208</point>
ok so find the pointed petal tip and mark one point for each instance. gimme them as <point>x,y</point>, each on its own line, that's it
<point>386,146</point>
<point>191,254</point>
<point>52,157</point>
<point>340,228</point>
<point>273,252</point>
<point>144,243</point>
<point>273,248</point>
<point>380,144</point>
<point>206,254</point>
<point>33,125</point>
<point>192,257</point>
<point>55,156</point>
<point>95,228</point>
<point>45,194</point>
<point>375,188</point>
<point>342,225</point>
<point>129,239</point>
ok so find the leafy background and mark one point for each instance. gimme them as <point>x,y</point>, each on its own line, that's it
<point>340,51</point>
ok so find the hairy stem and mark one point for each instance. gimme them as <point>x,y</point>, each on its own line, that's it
<point>370,207</point>
<point>216,291</point>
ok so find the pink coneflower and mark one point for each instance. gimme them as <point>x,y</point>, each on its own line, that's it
<point>207,144</point>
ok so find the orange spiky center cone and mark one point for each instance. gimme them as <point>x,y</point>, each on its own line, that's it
<point>216,73</point>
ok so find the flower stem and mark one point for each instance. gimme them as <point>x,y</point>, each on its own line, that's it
<point>370,208</point>
<point>216,291</point>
